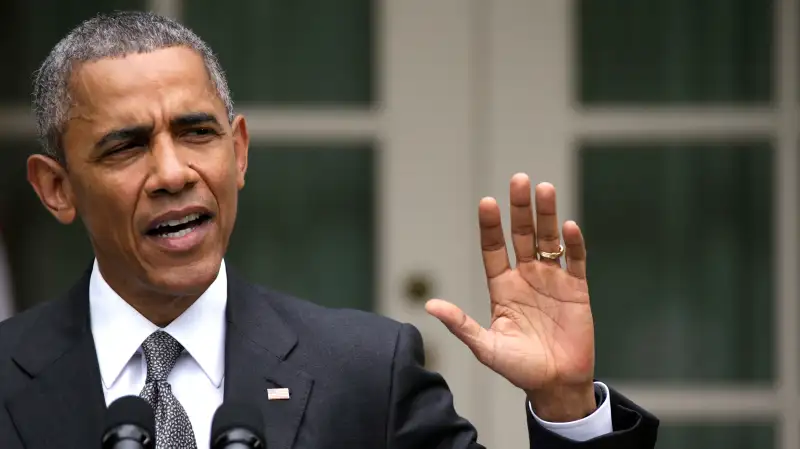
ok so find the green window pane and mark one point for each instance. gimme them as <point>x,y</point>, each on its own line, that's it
<point>716,436</point>
<point>306,223</point>
<point>34,27</point>
<point>674,52</point>
<point>681,260</point>
<point>308,52</point>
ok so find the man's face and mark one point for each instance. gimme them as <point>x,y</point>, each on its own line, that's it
<point>153,169</point>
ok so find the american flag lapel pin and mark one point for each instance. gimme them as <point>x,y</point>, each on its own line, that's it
<point>277,394</point>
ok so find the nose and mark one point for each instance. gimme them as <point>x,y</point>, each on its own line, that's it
<point>170,171</point>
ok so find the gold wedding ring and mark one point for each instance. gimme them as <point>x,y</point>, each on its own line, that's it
<point>552,256</point>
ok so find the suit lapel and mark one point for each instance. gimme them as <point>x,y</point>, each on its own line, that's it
<point>258,345</point>
<point>62,405</point>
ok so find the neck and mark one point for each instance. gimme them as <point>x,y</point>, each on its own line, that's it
<point>160,307</point>
<point>162,311</point>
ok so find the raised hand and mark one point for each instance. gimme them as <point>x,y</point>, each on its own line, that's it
<point>541,336</point>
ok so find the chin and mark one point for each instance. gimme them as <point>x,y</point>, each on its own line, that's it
<point>191,278</point>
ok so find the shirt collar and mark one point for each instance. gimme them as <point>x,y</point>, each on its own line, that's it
<point>119,329</point>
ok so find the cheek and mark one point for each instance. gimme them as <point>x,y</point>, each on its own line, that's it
<point>222,179</point>
<point>226,193</point>
<point>107,208</point>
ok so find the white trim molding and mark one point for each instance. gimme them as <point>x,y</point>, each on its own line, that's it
<point>167,8</point>
<point>17,122</point>
<point>704,403</point>
<point>786,245</point>
<point>654,123</point>
<point>315,124</point>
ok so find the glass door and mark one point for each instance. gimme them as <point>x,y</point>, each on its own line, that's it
<point>670,132</point>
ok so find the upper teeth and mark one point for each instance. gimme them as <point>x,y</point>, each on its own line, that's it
<point>181,221</point>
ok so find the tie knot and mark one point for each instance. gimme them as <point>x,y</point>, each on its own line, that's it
<point>161,351</point>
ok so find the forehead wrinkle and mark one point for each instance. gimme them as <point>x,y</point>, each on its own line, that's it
<point>163,102</point>
<point>143,110</point>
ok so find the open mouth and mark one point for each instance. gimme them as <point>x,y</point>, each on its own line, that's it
<point>172,229</point>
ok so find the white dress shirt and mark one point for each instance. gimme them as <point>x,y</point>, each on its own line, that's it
<point>196,380</point>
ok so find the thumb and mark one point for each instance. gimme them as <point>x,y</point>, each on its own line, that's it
<point>466,329</point>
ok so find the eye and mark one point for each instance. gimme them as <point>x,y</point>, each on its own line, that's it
<point>201,132</point>
<point>200,135</point>
<point>127,146</point>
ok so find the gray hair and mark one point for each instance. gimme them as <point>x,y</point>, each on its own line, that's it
<point>109,36</point>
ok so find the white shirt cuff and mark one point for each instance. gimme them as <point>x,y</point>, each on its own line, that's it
<point>595,425</point>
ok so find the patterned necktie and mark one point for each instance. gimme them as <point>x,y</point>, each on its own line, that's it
<point>173,429</point>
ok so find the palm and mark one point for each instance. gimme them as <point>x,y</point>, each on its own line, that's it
<point>541,331</point>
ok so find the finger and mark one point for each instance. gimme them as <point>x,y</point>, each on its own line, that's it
<point>548,238</point>
<point>493,242</point>
<point>523,233</point>
<point>576,250</point>
<point>466,329</point>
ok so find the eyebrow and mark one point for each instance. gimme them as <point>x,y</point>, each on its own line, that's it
<point>138,132</point>
<point>192,119</point>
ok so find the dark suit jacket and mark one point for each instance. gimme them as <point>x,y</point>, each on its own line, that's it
<point>356,379</point>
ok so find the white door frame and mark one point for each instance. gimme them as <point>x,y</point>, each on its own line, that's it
<point>429,153</point>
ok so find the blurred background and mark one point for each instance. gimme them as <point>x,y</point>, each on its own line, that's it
<point>669,128</point>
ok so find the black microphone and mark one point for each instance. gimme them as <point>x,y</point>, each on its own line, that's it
<point>130,424</point>
<point>237,426</point>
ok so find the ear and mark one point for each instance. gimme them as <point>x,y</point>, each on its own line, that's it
<point>49,179</point>
<point>241,145</point>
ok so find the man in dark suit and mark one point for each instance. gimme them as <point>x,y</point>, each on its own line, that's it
<point>140,141</point>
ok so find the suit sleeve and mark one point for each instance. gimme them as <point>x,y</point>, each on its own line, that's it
<point>634,428</point>
<point>421,412</point>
